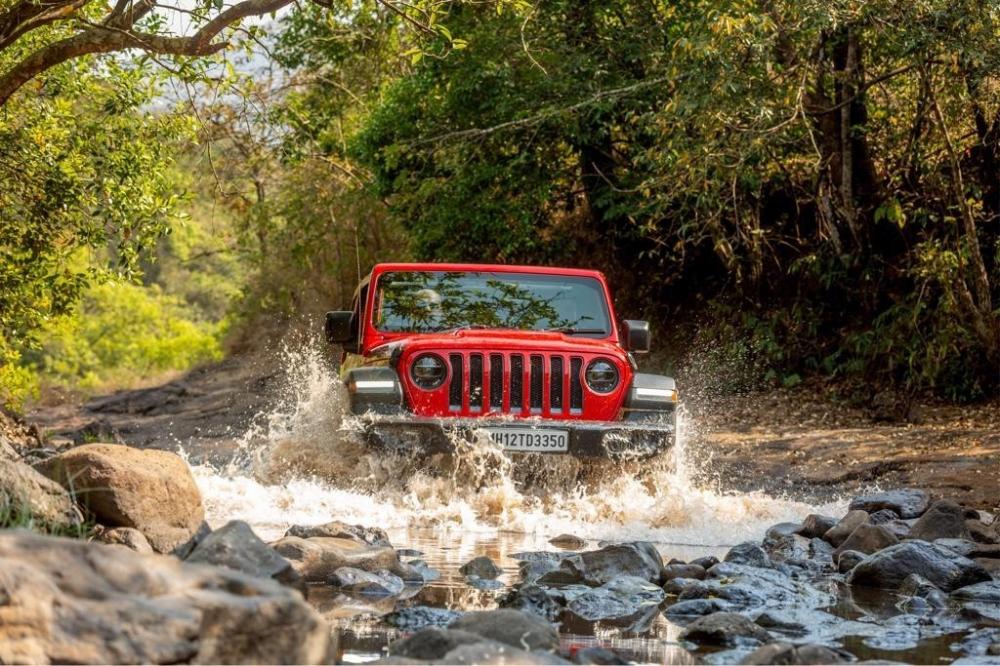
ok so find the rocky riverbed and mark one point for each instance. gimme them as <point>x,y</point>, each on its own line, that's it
<point>279,541</point>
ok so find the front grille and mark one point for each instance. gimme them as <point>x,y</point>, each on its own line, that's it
<point>514,383</point>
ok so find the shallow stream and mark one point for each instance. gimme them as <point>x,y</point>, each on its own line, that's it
<point>301,465</point>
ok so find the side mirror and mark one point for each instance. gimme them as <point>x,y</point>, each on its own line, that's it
<point>636,336</point>
<point>338,326</point>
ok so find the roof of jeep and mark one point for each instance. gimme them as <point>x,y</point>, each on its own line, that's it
<point>486,268</point>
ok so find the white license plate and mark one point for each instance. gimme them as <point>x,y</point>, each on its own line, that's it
<point>531,439</point>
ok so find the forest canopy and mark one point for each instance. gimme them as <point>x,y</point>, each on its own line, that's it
<point>812,187</point>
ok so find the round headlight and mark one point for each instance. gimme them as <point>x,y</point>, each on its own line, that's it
<point>602,376</point>
<point>428,371</point>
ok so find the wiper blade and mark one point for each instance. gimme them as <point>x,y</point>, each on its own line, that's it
<point>572,330</point>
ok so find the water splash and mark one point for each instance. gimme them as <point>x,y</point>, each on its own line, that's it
<point>304,464</point>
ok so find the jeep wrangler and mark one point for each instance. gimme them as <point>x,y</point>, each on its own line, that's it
<point>532,357</point>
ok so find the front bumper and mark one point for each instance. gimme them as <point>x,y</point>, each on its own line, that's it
<point>587,439</point>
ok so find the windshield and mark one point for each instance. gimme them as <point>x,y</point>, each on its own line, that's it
<point>432,301</point>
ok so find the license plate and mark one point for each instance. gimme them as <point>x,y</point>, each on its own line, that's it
<point>531,439</point>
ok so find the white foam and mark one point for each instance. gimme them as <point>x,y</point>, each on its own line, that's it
<point>301,466</point>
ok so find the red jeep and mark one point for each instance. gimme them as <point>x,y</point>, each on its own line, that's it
<point>532,356</point>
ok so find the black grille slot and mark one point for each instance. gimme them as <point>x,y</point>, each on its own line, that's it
<point>476,382</point>
<point>556,384</point>
<point>535,390</point>
<point>516,383</point>
<point>455,388</point>
<point>496,381</point>
<point>575,384</point>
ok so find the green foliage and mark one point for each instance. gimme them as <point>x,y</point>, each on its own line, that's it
<point>122,332</point>
<point>85,192</point>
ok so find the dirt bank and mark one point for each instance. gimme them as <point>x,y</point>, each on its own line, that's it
<point>784,441</point>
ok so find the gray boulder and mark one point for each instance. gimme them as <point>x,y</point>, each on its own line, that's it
<point>413,618</point>
<point>597,567</point>
<point>944,520</point>
<point>521,630</point>
<point>848,559</point>
<point>480,567</point>
<point>432,643</point>
<point>888,568</point>
<point>706,562</point>
<point>985,592</point>
<point>867,539</point>
<point>725,629</point>
<point>696,608</point>
<point>530,598</point>
<point>235,546</point>
<point>786,653</point>
<point>837,534</point>
<point>816,525</point>
<point>748,553</point>
<point>623,597</point>
<point>672,571</point>
<point>366,583</point>
<point>70,601</point>
<point>907,502</point>
<point>336,529</point>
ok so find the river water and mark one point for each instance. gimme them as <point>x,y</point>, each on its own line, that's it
<point>301,465</point>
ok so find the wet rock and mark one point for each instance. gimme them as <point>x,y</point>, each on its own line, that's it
<point>676,586</point>
<point>944,520</point>
<point>978,642</point>
<point>524,630</point>
<point>598,567</point>
<point>786,547</point>
<point>987,591</point>
<point>432,643</point>
<point>962,547</point>
<point>530,598</point>
<point>420,569</point>
<point>531,570</point>
<point>916,586</point>
<point>786,653</point>
<point>419,617</point>
<point>129,537</point>
<point>317,558</point>
<point>672,571</point>
<point>782,622</point>
<point>907,502</point>
<point>705,563</point>
<point>483,583</point>
<point>598,655</point>
<point>883,516</point>
<point>372,536</point>
<point>235,546</point>
<point>816,525</point>
<point>888,568</point>
<point>867,539</point>
<point>899,528</point>
<point>820,550</point>
<point>22,488</point>
<point>623,597</point>
<point>366,583</point>
<point>848,559</point>
<point>150,490</point>
<point>748,553</point>
<point>696,608</point>
<point>837,534</point>
<point>981,532</point>
<point>725,629</point>
<point>783,530</point>
<point>568,542</point>
<point>480,567</point>
<point>70,601</point>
